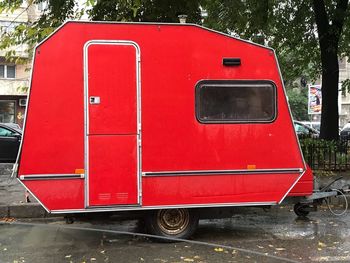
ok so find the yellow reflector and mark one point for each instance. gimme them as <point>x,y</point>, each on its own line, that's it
<point>79,171</point>
<point>251,166</point>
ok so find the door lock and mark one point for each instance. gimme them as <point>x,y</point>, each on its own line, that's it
<point>94,100</point>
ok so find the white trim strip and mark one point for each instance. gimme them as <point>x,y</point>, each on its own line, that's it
<point>223,172</point>
<point>128,208</point>
<point>86,109</point>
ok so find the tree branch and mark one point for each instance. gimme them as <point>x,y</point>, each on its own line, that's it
<point>322,21</point>
<point>338,18</point>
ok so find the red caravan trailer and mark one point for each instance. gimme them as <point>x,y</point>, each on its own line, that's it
<point>158,117</point>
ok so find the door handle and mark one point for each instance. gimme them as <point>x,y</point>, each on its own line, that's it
<point>94,100</point>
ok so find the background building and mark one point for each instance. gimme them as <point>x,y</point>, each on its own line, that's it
<point>344,73</point>
<point>14,78</point>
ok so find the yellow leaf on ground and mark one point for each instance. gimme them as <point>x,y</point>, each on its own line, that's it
<point>320,244</point>
<point>280,248</point>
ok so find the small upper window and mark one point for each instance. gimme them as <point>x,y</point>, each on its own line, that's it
<point>8,71</point>
<point>226,101</point>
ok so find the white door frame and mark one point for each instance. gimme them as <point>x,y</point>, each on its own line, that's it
<point>86,114</point>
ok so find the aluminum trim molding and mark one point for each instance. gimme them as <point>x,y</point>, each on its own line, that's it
<point>86,110</point>
<point>50,176</point>
<point>115,209</point>
<point>222,172</point>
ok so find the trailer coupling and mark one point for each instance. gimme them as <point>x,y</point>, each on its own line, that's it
<point>307,204</point>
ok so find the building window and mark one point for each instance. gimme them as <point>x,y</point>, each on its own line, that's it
<point>7,111</point>
<point>233,101</point>
<point>8,71</point>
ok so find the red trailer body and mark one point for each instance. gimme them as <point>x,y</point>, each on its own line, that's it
<point>133,116</point>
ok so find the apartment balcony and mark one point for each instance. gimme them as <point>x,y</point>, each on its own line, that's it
<point>13,87</point>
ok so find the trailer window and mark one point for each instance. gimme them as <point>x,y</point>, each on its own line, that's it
<point>235,101</point>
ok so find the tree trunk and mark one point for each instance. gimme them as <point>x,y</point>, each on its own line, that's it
<point>330,79</point>
<point>329,28</point>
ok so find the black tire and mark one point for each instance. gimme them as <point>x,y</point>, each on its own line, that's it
<point>299,210</point>
<point>172,223</point>
<point>69,220</point>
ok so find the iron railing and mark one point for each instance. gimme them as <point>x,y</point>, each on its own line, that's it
<point>325,155</point>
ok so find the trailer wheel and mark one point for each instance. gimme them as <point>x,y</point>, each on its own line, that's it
<point>176,223</point>
<point>300,209</point>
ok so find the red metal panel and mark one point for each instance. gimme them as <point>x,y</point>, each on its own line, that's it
<point>218,189</point>
<point>59,194</point>
<point>112,78</point>
<point>112,170</point>
<point>305,185</point>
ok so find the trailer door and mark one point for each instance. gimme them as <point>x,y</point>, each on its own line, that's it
<point>112,126</point>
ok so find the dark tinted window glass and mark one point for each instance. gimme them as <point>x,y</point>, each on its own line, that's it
<point>7,111</point>
<point>236,101</point>
<point>11,72</point>
<point>2,71</point>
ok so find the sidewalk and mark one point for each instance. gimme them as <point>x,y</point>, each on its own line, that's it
<point>12,197</point>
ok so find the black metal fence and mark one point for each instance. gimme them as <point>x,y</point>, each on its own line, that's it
<point>325,155</point>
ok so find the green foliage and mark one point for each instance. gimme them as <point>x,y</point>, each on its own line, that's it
<point>59,11</point>
<point>287,26</point>
<point>298,103</point>
<point>33,32</point>
<point>345,87</point>
<point>146,10</point>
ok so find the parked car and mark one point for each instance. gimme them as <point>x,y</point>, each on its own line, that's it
<point>304,130</point>
<point>345,132</point>
<point>313,124</point>
<point>10,139</point>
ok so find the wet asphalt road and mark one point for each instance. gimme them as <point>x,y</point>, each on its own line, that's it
<point>256,236</point>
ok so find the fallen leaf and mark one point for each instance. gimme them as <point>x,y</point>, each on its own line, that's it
<point>280,248</point>
<point>142,259</point>
<point>188,260</point>
<point>219,249</point>
<point>260,246</point>
<point>320,244</point>
<point>93,259</point>
<point>68,256</point>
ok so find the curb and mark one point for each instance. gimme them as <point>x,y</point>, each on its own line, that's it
<point>23,211</point>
